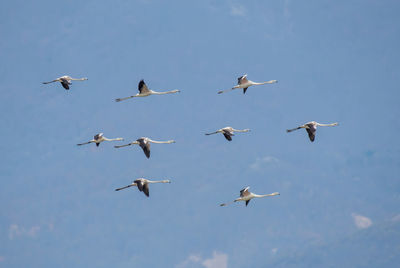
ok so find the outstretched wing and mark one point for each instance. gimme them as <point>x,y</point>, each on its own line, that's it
<point>242,79</point>
<point>146,147</point>
<point>139,184</point>
<point>98,136</point>
<point>142,87</point>
<point>65,84</point>
<point>311,134</point>
<point>227,136</point>
<point>146,189</point>
<point>244,192</point>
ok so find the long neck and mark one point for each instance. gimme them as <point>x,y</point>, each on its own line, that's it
<point>171,141</point>
<point>78,79</point>
<point>241,130</point>
<point>165,92</point>
<point>163,181</point>
<point>327,125</point>
<point>265,195</point>
<point>263,83</point>
<point>116,139</point>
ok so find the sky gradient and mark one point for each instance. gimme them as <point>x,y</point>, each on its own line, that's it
<point>336,61</point>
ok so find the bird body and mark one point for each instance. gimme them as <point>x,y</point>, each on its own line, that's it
<point>244,83</point>
<point>311,128</point>
<point>66,81</point>
<point>99,138</point>
<point>144,143</point>
<point>228,132</point>
<point>144,91</point>
<point>143,185</point>
<point>246,196</point>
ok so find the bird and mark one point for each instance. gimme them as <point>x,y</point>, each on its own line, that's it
<point>244,83</point>
<point>99,138</point>
<point>144,91</point>
<point>143,185</point>
<point>246,195</point>
<point>66,81</point>
<point>228,132</point>
<point>144,143</point>
<point>311,128</point>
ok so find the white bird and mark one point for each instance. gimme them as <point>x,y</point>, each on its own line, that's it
<point>99,138</point>
<point>228,132</point>
<point>311,128</point>
<point>246,195</point>
<point>66,81</point>
<point>142,185</point>
<point>144,91</point>
<point>144,143</point>
<point>244,83</point>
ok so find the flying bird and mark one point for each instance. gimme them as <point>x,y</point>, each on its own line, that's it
<point>99,138</point>
<point>144,143</point>
<point>66,81</point>
<point>311,128</point>
<point>142,185</point>
<point>144,91</point>
<point>244,83</point>
<point>228,132</point>
<point>246,195</point>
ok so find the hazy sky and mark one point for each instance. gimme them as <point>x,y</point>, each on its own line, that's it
<point>336,61</point>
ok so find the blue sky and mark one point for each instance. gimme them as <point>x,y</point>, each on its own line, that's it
<point>336,61</point>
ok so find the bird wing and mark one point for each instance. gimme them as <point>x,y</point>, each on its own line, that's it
<point>311,134</point>
<point>247,202</point>
<point>227,136</point>
<point>65,84</point>
<point>146,189</point>
<point>242,79</point>
<point>146,147</point>
<point>98,136</point>
<point>139,184</point>
<point>244,90</point>
<point>142,87</point>
<point>244,192</point>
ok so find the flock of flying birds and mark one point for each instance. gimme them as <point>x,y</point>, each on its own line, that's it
<point>144,142</point>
